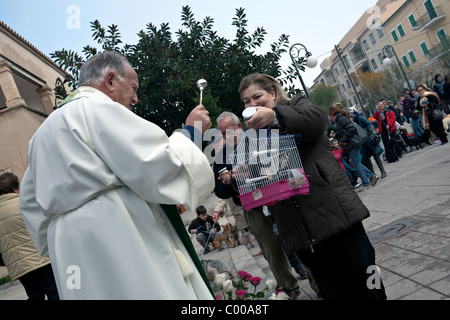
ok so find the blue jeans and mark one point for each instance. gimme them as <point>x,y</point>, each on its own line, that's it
<point>418,131</point>
<point>361,169</point>
<point>203,237</point>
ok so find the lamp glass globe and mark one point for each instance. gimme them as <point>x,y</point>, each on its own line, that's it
<point>311,62</point>
<point>387,61</point>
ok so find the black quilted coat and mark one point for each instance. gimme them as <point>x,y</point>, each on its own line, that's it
<point>332,205</point>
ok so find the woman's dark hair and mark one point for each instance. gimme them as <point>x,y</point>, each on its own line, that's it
<point>334,110</point>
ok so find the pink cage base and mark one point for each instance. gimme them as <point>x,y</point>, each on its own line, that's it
<point>271,194</point>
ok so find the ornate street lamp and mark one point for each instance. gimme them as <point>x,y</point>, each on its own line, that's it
<point>388,51</point>
<point>60,90</point>
<point>296,57</point>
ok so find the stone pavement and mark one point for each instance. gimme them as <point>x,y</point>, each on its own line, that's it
<point>409,227</point>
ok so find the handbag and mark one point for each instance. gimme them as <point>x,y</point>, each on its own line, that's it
<point>359,137</point>
<point>408,128</point>
<point>375,136</point>
<point>437,113</point>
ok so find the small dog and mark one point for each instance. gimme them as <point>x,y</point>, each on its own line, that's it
<point>446,123</point>
<point>239,236</point>
<point>215,267</point>
<point>222,236</point>
<point>228,229</point>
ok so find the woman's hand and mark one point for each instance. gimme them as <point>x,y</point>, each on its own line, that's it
<point>263,118</point>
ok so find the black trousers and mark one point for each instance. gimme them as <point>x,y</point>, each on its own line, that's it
<point>390,146</point>
<point>40,283</point>
<point>438,128</point>
<point>344,266</point>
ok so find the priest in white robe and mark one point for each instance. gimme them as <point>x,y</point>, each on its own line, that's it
<point>92,193</point>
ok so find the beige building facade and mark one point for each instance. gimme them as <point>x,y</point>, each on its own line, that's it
<point>419,33</point>
<point>359,50</point>
<point>27,80</point>
<point>417,30</point>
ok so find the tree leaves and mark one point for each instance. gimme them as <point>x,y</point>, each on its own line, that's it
<point>169,65</point>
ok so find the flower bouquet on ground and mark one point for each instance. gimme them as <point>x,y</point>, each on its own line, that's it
<point>239,290</point>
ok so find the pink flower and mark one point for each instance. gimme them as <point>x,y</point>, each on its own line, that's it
<point>244,275</point>
<point>255,280</point>
<point>218,297</point>
<point>240,294</point>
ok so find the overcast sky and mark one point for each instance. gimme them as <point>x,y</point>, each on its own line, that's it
<point>51,25</point>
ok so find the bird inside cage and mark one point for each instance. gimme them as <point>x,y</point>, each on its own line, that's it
<point>268,169</point>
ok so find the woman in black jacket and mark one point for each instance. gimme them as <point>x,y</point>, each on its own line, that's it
<point>369,148</point>
<point>345,131</point>
<point>324,228</point>
<point>429,101</point>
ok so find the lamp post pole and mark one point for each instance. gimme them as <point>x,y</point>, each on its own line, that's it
<point>338,50</point>
<point>311,61</point>
<point>389,49</point>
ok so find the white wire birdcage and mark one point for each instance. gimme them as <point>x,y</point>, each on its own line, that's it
<point>268,169</point>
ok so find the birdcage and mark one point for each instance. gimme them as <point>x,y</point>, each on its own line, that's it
<point>268,170</point>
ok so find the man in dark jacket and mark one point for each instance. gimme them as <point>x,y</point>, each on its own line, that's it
<point>260,225</point>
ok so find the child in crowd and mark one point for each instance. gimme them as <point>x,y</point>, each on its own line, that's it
<point>204,227</point>
<point>339,153</point>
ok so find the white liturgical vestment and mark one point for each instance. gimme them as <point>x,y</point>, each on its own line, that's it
<point>90,196</point>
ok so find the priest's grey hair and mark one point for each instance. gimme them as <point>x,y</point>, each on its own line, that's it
<point>95,69</point>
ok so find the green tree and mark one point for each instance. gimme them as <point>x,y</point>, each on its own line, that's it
<point>324,96</point>
<point>169,66</point>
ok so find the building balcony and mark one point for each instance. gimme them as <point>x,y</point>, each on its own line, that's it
<point>429,18</point>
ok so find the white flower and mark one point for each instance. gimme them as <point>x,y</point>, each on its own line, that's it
<point>271,284</point>
<point>220,279</point>
<point>228,286</point>
<point>273,296</point>
<point>282,296</point>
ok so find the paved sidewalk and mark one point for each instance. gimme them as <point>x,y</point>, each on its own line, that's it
<point>409,227</point>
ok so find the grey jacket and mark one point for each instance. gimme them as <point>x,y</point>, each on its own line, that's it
<point>332,205</point>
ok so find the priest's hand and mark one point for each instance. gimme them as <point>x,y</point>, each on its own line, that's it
<point>199,118</point>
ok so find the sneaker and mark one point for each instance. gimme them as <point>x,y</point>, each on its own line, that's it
<point>374,180</point>
<point>364,188</point>
<point>302,273</point>
<point>356,186</point>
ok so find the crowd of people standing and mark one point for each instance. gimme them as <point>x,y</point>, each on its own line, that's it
<point>416,121</point>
